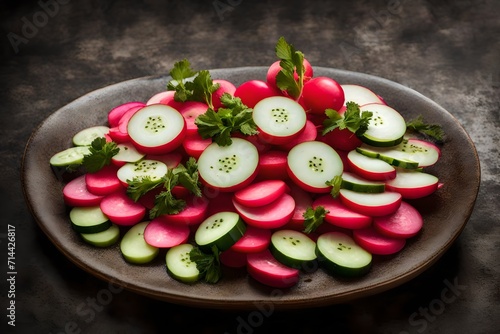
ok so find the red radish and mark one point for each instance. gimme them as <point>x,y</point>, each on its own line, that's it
<point>180,191</point>
<point>360,94</point>
<point>121,209</point>
<point>117,136</point>
<point>260,193</point>
<point>75,193</point>
<point>194,145</point>
<point>127,153</point>
<point>252,91</point>
<point>413,184</point>
<point>264,268</point>
<point>322,93</point>
<point>115,114</point>
<point>148,199</point>
<point>193,214</point>
<point>254,139</point>
<point>303,200</point>
<point>171,160</point>
<point>273,215</point>
<point>340,215</point>
<point>168,99</point>
<point>370,168</point>
<point>317,119</point>
<point>219,201</point>
<point>157,129</point>
<point>158,97</point>
<point>190,110</point>
<point>232,259</point>
<point>345,162</point>
<point>225,87</point>
<point>406,222</point>
<point>380,204</point>
<point>253,241</point>
<point>376,243</point>
<point>104,181</point>
<point>341,139</point>
<point>161,234</point>
<point>272,165</point>
<point>308,134</point>
<point>123,122</point>
<point>275,67</point>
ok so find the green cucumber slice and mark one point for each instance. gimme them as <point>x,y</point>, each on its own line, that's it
<point>339,254</point>
<point>293,248</point>
<point>105,238</point>
<point>86,136</point>
<point>222,229</point>
<point>89,219</point>
<point>152,168</point>
<point>70,156</point>
<point>179,264</point>
<point>356,183</point>
<point>134,248</point>
<point>386,127</point>
<point>388,155</point>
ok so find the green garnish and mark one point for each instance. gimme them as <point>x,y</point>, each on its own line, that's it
<point>291,62</point>
<point>234,117</point>
<point>314,218</point>
<point>336,184</point>
<point>432,130</point>
<point>207,264</point>
<point>139,186</point>
<point>352,119</point>
<point>165,201</point>
<point>100,154</point>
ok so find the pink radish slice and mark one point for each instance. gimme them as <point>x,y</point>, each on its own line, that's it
<point>273,215</point>
<point>219,201</point>
<point>123,122</point>
<point>272,165</point>
<point>121,209</point>
<point>158,97</point>
<point>264,268</point>
<point>380,204</point>
<point>115,114</point>
<point>376,243</point>
<point>413,184</point>
<point>180,191</point>
<point>162,234</point>
<point>370,168</point>
<point>148,199</point>
<point>193,214</point>
<point>103,182</point>
<point>341,216</point>
<point>117,136</point>
<point>253,241</point>
<point>190,110</point>
<point>224,87</point>
<point>310,132</point>
<point>260,193</point>
<point>232,259</point>
<point>303,200</point>
<point>194,145</point>
<point>171,159</point>
<point>345,162</point>
<point>341,139</point>
<point>75,193</point>
<point>406,222</point>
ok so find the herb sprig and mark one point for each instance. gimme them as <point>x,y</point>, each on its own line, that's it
<point>100,155</point>
<point>291,62</point>
<point>352,119</point>
<point>418,124</point>
<point>314,218</point>
<point>207,264</point>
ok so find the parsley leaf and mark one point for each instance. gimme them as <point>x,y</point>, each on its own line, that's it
<point>234,117</point>
<point>207,264</point>
<point>100,154</point>
<point>179,73</point>
<point>203,87</point>
<point>291,62</point>
<point>336,184</point>
<point>188,176</point>
<point>314,218</point>
<point>432,130</point>
<point>165,202</point>
<point>139,186</point>
<point>353,119</point>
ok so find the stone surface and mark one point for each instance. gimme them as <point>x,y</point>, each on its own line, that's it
<point>56,51</point>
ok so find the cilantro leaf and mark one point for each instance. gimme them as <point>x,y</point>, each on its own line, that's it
<point>207,264</point>
<point>291,62</point>
<point>353,119</point>
<point>165,202</point>
<point>179,73</point>
<point>139,186</point>
<point>314,218</point>
<point>188,176</point>
<point>432,130</point>
<point>100,154</point>
<point>336,184</point>
<point>203,87</point>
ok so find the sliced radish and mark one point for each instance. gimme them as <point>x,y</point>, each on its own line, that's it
<point>158,97</point>
<point>340,215</point>
<point>229,168</point>
<point>272,165</point>
<point>279,119</point>
<point>171,159</point>
<point>413,184</point>
<point>104,181</point>
<point>321,93</point>
<point>381,204</point>
<point>190,110</point>
<point>115,114</point>
<point>75,193</point>
<point>219,201</point>
<point>121,209</point>
<point>194,145</point>
<point>157,129</point>
<point>260,193</point>
<point>162,234</point>
<point>386,127</point>
<point>193,214</point>
<point>127,153</point>
<point>303,200</point>
<point>252,91</point>
<point>123,122</point>
<point>341,139</point>
<point>253,241</point>
<point>273,215</point>
<point>360,94</point>
<point>376,243</point>
<point>370,168</point>
<point>232,259</point>
<point>264,268</point>
<point>311,164</point>
<point>144,168</point>
<point>254,139</point>
<point>224,87</point>
<point>309,134</point>
<point>406,222</point>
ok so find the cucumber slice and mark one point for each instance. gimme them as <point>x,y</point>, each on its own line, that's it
<point>70,156</point>
<point>340,255</point>
<point>86,136</point>
<point>222,229</point>
<point>230,167</point>
<point>179,264</point>
<point>127,153</point>
<point>360,94</point>
<point>153,168</point>
<point>134,248</point>
<point>89,219</point>
<point>105,238</point>
<point>356,183</point>
<point>293,248</point>
<point>386,127</point>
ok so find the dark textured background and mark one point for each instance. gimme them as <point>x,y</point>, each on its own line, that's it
<point>446,50</point>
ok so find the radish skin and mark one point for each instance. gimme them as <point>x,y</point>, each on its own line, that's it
<point>272,165</point>
<point>376,243</point>
<point>75,193</point>
<point>104,181</point>
<point>264,268</point>
<point>253,241</point>
<point>161,234</point>
<point>121,209</point>
<point>273,215</point>
<point>406,222</point>
<point>340,215</point>
<point>260,193</point>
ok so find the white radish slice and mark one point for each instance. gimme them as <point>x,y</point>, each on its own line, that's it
<point>311,164</point>
<point>386,127</point>
<point>157,129</point>
<point>381,204</point>
<point>370,168</point>
<point>127,153</point>
<point>279,119</point>
<point>153,168</point>
<point>413,184</point>
<point>360,94</point>
<point>229,168</point>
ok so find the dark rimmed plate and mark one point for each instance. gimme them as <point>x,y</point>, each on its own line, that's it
<point>445,213</point>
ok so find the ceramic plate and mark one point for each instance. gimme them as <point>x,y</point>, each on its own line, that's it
<point>445,213</point>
